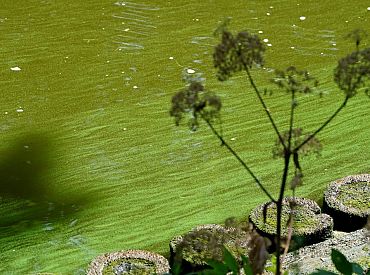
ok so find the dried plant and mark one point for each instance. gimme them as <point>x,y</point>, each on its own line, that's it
<point>240,53</point>
<point>195,102</point>
<point>258,254</point>
<point>353,72</point>
<point>234,53</point>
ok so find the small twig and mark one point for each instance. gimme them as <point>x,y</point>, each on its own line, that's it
<point>264,106</point>
<point>291,121</point>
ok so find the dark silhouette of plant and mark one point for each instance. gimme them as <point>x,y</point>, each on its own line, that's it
<point>241,53</point>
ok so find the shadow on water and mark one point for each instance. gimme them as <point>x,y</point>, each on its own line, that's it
<point>26,197</point>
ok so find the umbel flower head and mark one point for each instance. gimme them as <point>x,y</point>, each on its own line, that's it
<point>196,103</point>
<point>298,136</point>
<point>236,53</point>
<point>353,72</point>
<point>293,80</point>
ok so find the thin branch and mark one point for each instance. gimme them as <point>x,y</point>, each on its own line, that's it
<point>279,206</point>
<point>238,158</point>
<point>323,126</point>
<point>264,105</point>
<point>291,121</point>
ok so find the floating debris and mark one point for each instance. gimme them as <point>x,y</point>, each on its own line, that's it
<point>20,110</point>
<point>302,18</point>
<point>15,69</point>
<point>265,40</point>
<point>190,71</point>
<point>73,223</point>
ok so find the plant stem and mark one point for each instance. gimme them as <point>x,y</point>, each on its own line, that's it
<point>264,105</point>
<point>279,207</point>
<point>291,121</point>
<point>323,125</point>
<point>231,150</point>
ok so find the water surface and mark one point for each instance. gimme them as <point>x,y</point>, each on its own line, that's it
<point>91,161</point>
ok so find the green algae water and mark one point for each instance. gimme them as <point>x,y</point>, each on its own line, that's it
<point>91,162</point>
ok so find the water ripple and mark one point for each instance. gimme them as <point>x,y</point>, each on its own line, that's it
<point>137,24</point>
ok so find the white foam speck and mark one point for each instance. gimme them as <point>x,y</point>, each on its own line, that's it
<point>265,40</point>
<point>292,47</point>
<point>15,69</point>
<point>126,30</point>
<point>334,44</point>
<point>124,129</point>
<point>260,31</point>
<point>6,113</point>
<point>322,53</point>
<point>271,7</point>
<point>269,45</point>
<point>368,8</point>
<point>171,58</point>
<point>190,71</point>
<point>135,87</point>
<point>233,139</point>
<point>20,110</point>
<point>302,18</point>
<point>267,13</point>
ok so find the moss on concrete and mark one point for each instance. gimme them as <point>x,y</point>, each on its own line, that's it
<point>206,242</point>
<point>355,195</point>
<point>130,267</point>
<point>130,262</point>
<point>308,225</point>
<point>347,200</point>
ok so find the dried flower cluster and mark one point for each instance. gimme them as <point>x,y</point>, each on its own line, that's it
<point>293,80</point>
<point>236,53</point>
<point>353,72</point>
<point>312,146</point>
<point>195,102</point>
<point>258,254</point>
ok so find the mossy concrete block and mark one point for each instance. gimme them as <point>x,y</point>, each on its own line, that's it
<point>309,225</point>
<point>129,262</point>
<point>347,200</point>
<point>206,242</point>
<point>354,245</point>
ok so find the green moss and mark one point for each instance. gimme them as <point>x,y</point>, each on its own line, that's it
<point>355,195</point>
<point>200,245</point>
<point>303,220</point>
<point>364,261</point>
<point>130,267</point>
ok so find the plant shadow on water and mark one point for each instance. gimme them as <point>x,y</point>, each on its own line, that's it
<point>26,195</point>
